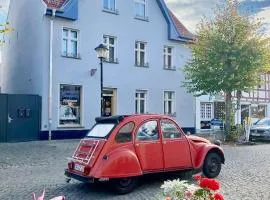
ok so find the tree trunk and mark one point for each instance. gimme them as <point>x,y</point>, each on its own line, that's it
<point>228,112</point>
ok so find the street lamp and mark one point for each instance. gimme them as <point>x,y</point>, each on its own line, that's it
<point>101,54</point>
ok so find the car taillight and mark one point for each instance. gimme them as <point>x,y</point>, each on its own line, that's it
<point>71,165</point>
<point>87,170</point>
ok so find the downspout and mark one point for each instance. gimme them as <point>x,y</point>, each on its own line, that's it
<point>50,75</point>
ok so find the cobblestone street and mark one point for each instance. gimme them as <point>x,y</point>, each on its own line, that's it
<point>30,167</point>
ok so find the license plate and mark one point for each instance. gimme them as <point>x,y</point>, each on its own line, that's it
<point>79,168</point>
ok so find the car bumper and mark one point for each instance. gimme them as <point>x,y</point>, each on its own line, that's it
<point>85,179</point>
<point>259,137</point>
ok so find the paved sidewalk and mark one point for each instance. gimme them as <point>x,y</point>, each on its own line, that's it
<point>31,166</point>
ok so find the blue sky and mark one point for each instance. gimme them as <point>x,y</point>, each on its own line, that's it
<point>191,11</point>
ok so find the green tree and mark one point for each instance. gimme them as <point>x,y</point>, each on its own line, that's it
<point>229,54</point>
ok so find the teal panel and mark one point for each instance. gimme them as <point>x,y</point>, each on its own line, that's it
<point>25,112</point>
<point>3,118</point>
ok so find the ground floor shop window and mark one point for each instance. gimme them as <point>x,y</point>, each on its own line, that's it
<point>70,105</point>
<point>258,111</point>
<point>206,110</point>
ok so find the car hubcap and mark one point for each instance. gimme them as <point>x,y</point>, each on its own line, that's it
<point>213,165</point>
<point>125,182</point>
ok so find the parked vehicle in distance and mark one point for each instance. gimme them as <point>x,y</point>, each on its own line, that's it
<point>119,149</point>
<point>260,130</point>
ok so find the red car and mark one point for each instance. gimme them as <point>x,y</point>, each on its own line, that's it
<point>122,148</point>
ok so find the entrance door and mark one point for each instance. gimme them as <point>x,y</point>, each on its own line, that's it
<point>175,146</point>
<point>148,147</point>
<point>109,104</point>
<point>23,117</point>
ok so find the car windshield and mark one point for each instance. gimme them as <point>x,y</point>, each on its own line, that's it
<point>100,130</point>
<point>263,122</point>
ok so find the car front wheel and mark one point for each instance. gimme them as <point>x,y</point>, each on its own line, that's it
<point>124,185</point>
<point>212,165</point>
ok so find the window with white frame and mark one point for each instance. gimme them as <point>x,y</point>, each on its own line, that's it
<point>140,54</point>
<point>109,5</point>
<point>168,57</point>
<point>70,43</point>
<point>110,43</point>
<point>140,101</point>
<point>70,105</point>
<point>140,9</point>
<point>206,111</point>
<point>169,102</point>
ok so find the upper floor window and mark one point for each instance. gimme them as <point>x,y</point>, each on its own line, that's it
<point>140,54</point>
<point>109,5</point>
<point>140,9</point>
<point>168,57</point>
<point>140,102</point>
<point>169,103</point>
<point>110,43</point>
<point>70,43</point>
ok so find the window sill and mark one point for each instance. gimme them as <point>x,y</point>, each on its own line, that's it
<point>146,19</point>
<point>70,126</point>
<point>173,68</point>
<point>171,114</point>
<point>146,65</point>
<point>115,61</point>
<point>74,57</point>
<point>115,12</point>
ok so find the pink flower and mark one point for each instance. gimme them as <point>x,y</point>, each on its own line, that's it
<point>188,194</point>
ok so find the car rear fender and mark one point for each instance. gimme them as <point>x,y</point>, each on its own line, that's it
<point>120,162</point>
<point>204,152</point>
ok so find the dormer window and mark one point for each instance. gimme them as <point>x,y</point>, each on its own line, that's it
<point>140,9</point>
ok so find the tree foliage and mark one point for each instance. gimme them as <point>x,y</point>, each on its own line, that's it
<point>230,54</point>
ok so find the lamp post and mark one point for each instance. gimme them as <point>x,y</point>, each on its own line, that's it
<point>101,54</point>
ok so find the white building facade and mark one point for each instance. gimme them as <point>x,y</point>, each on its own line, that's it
<point>142,73</point>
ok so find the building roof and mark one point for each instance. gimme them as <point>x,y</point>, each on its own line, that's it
<point>55,4</point>
<point>181,29</point>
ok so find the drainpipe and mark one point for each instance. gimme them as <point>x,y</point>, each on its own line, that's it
<point>50,75</point>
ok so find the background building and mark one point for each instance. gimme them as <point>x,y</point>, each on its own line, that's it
<point>142,73</point>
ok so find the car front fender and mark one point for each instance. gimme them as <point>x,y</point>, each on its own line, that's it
<point>201,155</point>
<point>121,162</point>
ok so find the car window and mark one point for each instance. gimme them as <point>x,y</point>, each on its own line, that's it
<point>148,131</point>
<point>125,133</point>
<point>100,130</point>
<point>169,129</point>
<point>263,122</point>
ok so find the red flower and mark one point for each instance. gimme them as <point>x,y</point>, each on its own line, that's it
<point>197,177</point>
<point>218,196</point>
<point>210,184</point>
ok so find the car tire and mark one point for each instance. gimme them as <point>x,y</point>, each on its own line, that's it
<point>212,165</point>
<point>124,185</point>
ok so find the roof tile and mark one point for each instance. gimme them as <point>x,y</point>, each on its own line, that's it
<point>182,30</point>
<point>55,4</point>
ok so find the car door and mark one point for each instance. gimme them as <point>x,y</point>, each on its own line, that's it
<point>175,146</point>
<point>148,146</point>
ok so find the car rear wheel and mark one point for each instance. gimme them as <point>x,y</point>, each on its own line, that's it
<point>212,165</point>
<point>124,185</point>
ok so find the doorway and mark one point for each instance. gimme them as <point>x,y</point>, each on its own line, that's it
<point>109,104</point>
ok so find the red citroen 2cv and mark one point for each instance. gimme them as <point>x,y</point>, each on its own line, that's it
<point>122,148</point>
